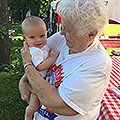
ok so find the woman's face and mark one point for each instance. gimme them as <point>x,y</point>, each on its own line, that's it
<point>74,42</point>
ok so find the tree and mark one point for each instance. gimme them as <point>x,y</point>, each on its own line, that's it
<point>18,8</point>
<point>5,52</point>
<point>37,7</point>
<point>34,6</point>
<point>45,7</point>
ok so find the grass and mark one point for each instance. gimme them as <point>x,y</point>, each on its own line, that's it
<point>11,105</point>
<point>17,27</point>
<point>109,50</point>
<point>16,45</point>
<point>112,29</point>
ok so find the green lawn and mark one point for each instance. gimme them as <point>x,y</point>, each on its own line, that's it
<point>112,29</point>
<point>17,27</point>
<point>109,50</point>
<point>11,105</point>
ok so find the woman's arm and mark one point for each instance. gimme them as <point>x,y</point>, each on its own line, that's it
<point>47,93</point>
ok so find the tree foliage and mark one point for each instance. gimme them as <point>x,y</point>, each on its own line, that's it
<point>37,7</point>
<point>45,7</point>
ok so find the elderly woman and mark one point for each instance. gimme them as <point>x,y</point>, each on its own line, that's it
<point>76,83</point>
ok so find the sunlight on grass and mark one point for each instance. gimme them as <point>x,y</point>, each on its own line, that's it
<point>112,29</point>
<point>109,50</point>
<point>17,27</point>
<point>18,37</point>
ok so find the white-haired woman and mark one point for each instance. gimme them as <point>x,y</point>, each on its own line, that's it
<point>76,83</point>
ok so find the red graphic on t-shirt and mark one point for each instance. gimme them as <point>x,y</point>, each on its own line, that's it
<point>54,74</point>
<point>54,77</point>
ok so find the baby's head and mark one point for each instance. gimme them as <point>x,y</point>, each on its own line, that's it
<point>34,32</point>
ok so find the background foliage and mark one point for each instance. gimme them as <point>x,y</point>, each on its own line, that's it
<point>22,6</point>
<point>12,107</point>
<point>16,65</point>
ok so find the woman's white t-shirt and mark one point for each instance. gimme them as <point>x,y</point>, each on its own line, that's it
<point>81,78</point>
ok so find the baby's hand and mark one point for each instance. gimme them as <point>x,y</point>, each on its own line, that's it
<point>54,54</point>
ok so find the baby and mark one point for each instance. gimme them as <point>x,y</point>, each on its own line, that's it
<point>35,35</point>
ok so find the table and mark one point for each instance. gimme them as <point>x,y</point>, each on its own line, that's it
<point>110,105</point>
<point>110,43</point>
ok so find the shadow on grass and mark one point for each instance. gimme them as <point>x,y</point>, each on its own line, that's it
<point>11,105</point>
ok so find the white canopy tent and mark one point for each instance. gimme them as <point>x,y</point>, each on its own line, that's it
<point>114,10</point>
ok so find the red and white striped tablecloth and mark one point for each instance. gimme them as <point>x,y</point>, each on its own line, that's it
<point>110,106</point>
<point>110,43</point>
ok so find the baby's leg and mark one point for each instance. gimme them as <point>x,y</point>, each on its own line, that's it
<point>33,106</point>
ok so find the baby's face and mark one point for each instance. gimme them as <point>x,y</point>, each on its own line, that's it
<point>36,36</point>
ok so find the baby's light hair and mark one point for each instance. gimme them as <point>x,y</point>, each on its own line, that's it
<point>32,21</point>
<point>84,15</point>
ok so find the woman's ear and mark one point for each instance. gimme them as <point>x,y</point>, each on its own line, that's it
<point>93,34</point>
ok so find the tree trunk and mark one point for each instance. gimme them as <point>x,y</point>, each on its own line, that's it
<point>5,52</point>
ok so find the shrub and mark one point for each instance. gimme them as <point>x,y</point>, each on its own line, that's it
<point>16,65</point>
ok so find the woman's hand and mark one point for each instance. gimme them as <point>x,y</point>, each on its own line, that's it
<point>25,54</point>
<point>25,88</point>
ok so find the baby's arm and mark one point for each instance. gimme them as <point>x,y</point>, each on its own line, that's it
<point>48,62</point>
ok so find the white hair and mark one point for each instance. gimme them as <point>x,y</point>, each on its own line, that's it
<point>85,15</point>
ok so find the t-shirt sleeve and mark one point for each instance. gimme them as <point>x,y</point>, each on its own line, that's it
<point>37,57</point>
<point>81,90</point>
<point>57,42</point>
